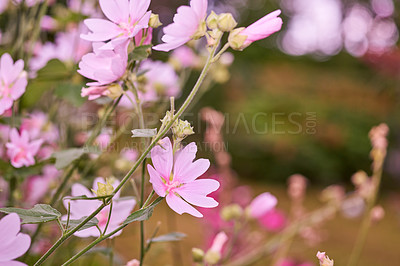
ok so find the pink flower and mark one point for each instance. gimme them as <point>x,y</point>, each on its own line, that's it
<point>13,244</point>
<point>259,30</point>
<point>80,208</point>
<point>218,243</point>
<point>174,177</point>
<point>13,81</point>
<point>273,220</point>
<point>128,17</point>
<point>104,66</point>
<point>39,126</point>
<point>188,24</point>
<point>133,263</point>
<point>95,92</point>
<point>147,41</point>
<point>185,57</point>
<point>262,204</point>
<point>20,150</point>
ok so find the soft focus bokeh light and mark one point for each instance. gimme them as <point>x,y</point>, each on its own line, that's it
<point>324,27</point>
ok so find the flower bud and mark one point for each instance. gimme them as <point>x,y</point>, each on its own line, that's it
<point>237,41</point>
<point>115,91</point>
<point>359,178</point>
<point>226,22</point>
<point>212,257</point>
<point>377,213</point>
<point>104,189</point>
<point>181,129</point>
<point>324,259</point>
<point>154,21</point>
<point>197,254</point>
<point>231,212</point>
<point>212,21</point>
<point>201,31</point>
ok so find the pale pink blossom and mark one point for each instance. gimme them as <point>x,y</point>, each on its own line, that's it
<point>174,176</point>
<point>95,92</point>
<point>104,66</point>
<point>13,81</point>
<point>218,243</point>
<point>37,186</point>
<point>187,22</point>
<point>262,204</point>
<point>3,5</point>
<point>21,150</point>
<point>121,209</point>
<point>129,154</point>
<point>39,126</point>
<point>128,18</point>
<point>185,57</point>
<point>48,23</point>
<point>133,263</point>
<point>262,28</point>
<point>13,244</point>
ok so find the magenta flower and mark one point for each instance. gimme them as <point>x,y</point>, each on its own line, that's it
<point>104,66</point>
<point>262,204</point>
<point>80,208</point>
<point>13,81</point>
<point>259,30</point>
<point>13,244</point>
<point>273,220</point>
<point>188,24</point>
<point>21,150</point>
<point>128,17</point>
<point>174,176</point>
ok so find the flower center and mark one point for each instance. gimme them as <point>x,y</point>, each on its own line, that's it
<point>5,91</point>
<point>127,27</point>
<point>171,185</point>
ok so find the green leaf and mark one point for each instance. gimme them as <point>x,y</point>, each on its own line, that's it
<point>47,79</point>
<point>143,214</point>
<point>144,133</point>
<point>40,213</point>
<point>174,236</point>
<point>140,53</point>
<point>66,157</point>
<point>71,93</point>
<point>73,223</point>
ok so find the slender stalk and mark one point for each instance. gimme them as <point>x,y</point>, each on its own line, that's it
<point>142,251</point>
<point>134,167</point>
<point>108,218</point>
<point>366,222</point>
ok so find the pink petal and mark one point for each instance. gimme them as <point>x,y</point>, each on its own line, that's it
<point>196,199</point>
<point>138,8</point>
<point>18,88</point>
<point>10,226</point>
<point>166,47</point>
<point>6,68</point>
<point>121,210</point>
<point>201,186</point>
<point>192,171</point>
<point>12,263</point>
<point>262,204</point>
<point>199,7</point>
<point>180,206</point>
<point>102,30</point>
<point>156,181</point>
<point>162,158</point>
<point>115,10</point>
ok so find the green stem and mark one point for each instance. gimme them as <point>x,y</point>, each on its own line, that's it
<point>108,219</point>
<point>142,251</point>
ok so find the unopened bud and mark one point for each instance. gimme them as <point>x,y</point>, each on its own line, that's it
<point>212,257</point>
<point>167,118</point>
<point>104,189</point>
<point>377,213</point>
<point>182,129</point>
<point>197,254</point>
<point>226,22</point>
<point>201,31</point>
<point>212,21</point>
<point>115,91</point>
<point>236,40</point>
<point>231,212</point>
<point>359,178</point>
<point>154,21</point>
<point>324,259</point>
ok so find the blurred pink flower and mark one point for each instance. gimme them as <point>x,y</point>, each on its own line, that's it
<point>133,263</point>
<point>37,186</point>
<point>13,81</point>
<point>95,92</point>
<point>3,5</point>
<point>262,28</point>
<point>21,150</point>
<point>185,57</point>
<point>104,66</point>
<point>128,17</point>
<point>174,177</point>
<point>273,220</point>
<point>39,126</point>
<point>262,204</point>
<point>13,244</point>
<point>80,208</point>
<point>130,154</point>
<point>187,21</point>
<point>48,23</point>
<point>218,243</point>
<point>103,140</point>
